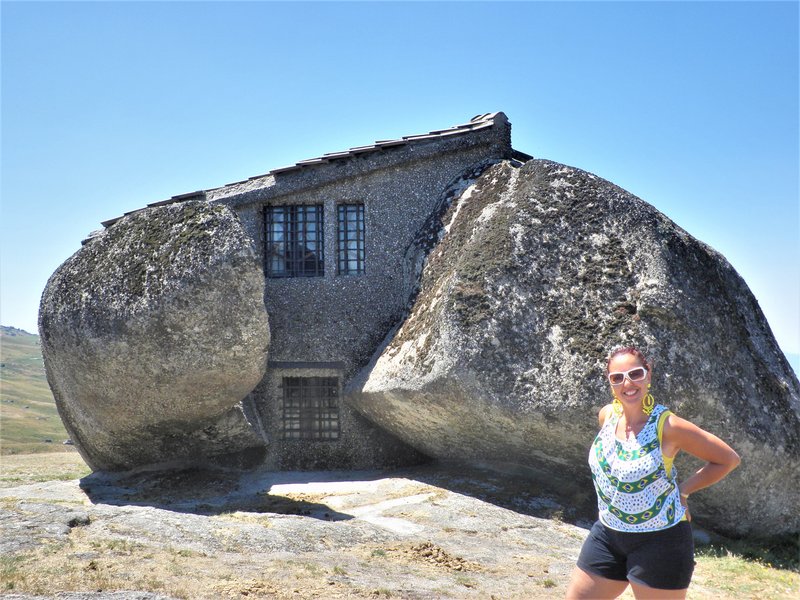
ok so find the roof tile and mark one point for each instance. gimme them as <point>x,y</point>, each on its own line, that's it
<point>476,123</point>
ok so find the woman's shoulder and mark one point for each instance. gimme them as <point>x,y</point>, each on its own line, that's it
<point>675,428</point>
<point>682,434</point>
<point>605,413</point>
<point>671,420</point>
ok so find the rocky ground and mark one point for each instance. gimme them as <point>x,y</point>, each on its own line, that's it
<point>431,532</point>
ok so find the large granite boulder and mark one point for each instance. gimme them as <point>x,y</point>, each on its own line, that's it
<point>152,333</point>
<point>532,273</point>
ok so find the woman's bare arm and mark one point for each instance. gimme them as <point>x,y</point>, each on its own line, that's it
<point>721,459</point>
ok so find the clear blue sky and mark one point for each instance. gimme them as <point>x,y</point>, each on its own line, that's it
<point>109,106</point>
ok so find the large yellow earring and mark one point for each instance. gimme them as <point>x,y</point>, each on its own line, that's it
<point>616,405</point>
<point>648,402</point>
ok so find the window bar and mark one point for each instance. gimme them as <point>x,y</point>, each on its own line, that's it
<point>350,239</point>
<point>294,241</point>
<point>310,408</point>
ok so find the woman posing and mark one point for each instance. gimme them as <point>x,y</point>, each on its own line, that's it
<point>643,537</point>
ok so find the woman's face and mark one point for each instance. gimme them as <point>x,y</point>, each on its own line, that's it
<point>629,392</point>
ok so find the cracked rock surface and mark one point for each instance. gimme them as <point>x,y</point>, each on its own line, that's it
<point>527,279</point>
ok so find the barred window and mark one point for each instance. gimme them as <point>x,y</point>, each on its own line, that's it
<point>294,241</point>
<point>310,408</point>
<point>350,239</point>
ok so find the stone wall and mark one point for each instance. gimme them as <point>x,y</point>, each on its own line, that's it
<point>343,319</point>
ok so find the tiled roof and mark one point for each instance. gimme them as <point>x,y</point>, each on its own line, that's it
<point>476,123</point>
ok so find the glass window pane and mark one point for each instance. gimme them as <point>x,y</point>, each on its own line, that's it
<point>291,233</point>
<point>350,238</point>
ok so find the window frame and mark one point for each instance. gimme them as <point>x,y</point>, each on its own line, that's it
<point>345,236</point>
<point>310,409</point>
<point>297,229</point>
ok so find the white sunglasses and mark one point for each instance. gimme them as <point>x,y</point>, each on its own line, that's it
<point>635,374</point>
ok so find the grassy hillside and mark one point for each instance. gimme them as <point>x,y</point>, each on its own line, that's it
<point>28,416</point>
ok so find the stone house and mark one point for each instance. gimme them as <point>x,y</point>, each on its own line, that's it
<point>333,233</point>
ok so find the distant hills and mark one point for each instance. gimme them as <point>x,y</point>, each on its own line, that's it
<point>29,421</point>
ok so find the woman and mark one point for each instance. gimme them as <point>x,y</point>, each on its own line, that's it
<point>643,537</point>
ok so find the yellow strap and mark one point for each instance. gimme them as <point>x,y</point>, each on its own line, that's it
<point>660,429</point>
<point>662,418</point>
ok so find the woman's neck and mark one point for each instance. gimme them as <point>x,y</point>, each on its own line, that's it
<point>633,416</point>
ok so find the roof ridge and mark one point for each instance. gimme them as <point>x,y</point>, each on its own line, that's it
<point>476,123</point>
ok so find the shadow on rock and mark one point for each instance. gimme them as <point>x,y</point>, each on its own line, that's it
<point>213,491</point>
<point>204,492</point>
<point>517,488</point>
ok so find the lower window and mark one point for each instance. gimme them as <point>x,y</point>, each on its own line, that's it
<point>310,408</point>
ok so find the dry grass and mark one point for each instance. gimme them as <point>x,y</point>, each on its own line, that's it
<point>87,564</point>
<point>84,563</point>
<point>733,576</point>
<point>23,469</point>
<point>29,421</point>
<point>94,559</point>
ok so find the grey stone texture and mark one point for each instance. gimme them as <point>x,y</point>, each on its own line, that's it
<point>120,595</point>
<point>152,334</point>
<point>528,276</point>
<point>495,285</point>
<point>360,445</point>
<point>332,324</point>
<point>404,531</point>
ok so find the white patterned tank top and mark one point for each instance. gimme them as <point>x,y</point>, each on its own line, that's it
<point>634,491</point>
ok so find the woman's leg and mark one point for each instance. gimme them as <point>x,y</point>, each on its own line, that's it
<point>642,592</point>
<point>663,566</point>
<point>588,586</point>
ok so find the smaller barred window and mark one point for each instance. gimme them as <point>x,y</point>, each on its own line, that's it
<point>310,408</point>
<point>350,239</point>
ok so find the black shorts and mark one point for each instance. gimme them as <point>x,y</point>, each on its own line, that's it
<point>658,559</point>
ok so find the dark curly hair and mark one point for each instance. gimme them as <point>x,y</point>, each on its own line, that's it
<point>629,350</point>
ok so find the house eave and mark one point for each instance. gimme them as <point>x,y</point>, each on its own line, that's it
<point>354,161</point>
